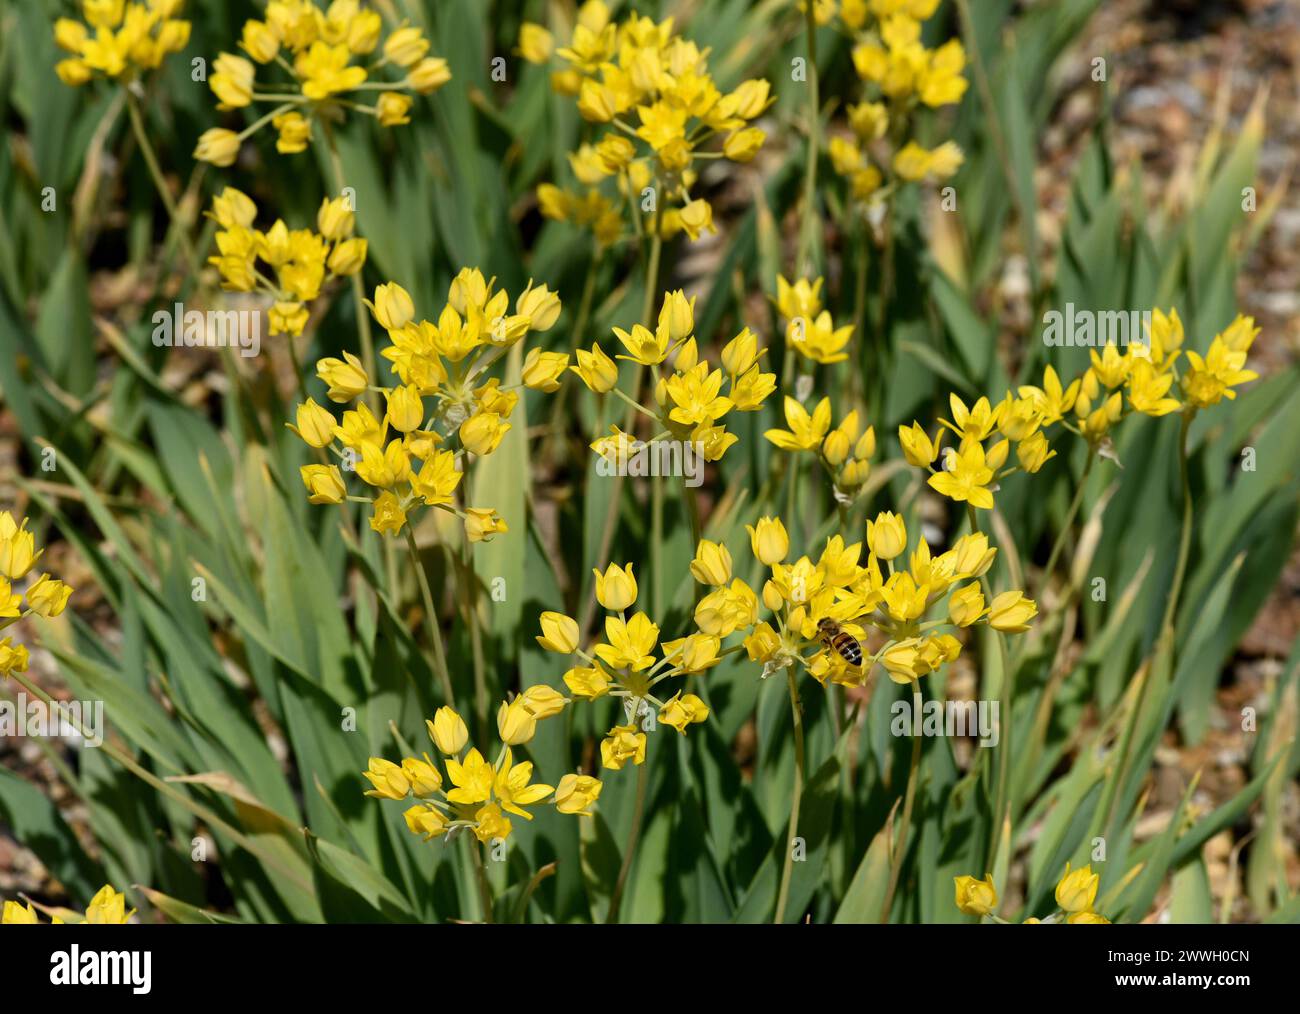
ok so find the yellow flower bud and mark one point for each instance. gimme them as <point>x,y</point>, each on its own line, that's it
<point>405,46</point>
<point>543,701</point>
<point>597,370</point>
<point>559,633</point>
<point>47,597</point>
<point>481,524</point>
<point>540,305</point>
<point>348,257</point>
<point>712,564</point>
<point>976,897</point>
<point>743,145</point>
<point>596,102</point>
<point>543,370</point>
<point>260,41</point>
<point>589,682</point>
<point>677,316</point>
<point>393,307</point>
<point>18,553</point>
<point>405,408</point>
<point>683,710</point>
<point>481,433</point>
<point>576,794</point>
<point>426,820</point>
<point>887,535</point>
<point>966,605</point>
<point>763,643</point>
<point>315,424</point>
<point>216,145</point>
<point>515,724</point>
<point>429,75</point>
<point>346,377</point>
<point>448,731</point>
<point>393,109</point>
<point>324,483</point>
<point>335,219</point>
<point>616,588</point>
<point>1011,612</point>
<point>1077,889</point>
<point>388,779</point>
<point>769,541</point>
<point>918,449</point>
<point>422,775</point>
<point>624,743</point>
<point>535,43</point>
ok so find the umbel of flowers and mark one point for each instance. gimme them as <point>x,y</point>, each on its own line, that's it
<point>900,76</point>
<point>119,40</point>
<point>441,410</point>
<point>1076,898</point>
<point>652,92</point>
<point>915,611</point>
<point>288,265</point>
<point>309,63</point>
<point>689,403</point>
<point>43,596</point>
<point>475,794</point>
<point>624,666</point>
<point>1144,379</point>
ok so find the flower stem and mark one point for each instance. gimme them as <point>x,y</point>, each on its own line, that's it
<point>642,777</point>
<point>1070,514</point>
<point>808,230</point>
<point>160,182</point>
<point>796,797</point>
<point>480,875</point>
<point>909,799</point>
<point>431,620</point>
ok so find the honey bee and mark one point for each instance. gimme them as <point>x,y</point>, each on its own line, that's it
<point>843,644</point>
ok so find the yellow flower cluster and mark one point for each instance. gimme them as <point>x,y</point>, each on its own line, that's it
<point>845,452</point>
<point>1076,896</point>
<point>644,67</point>
<point>624,665</point>
<point>118,39</point>
<point>803,595</point>
<point>809,329</point>
<point>44,596</point>
<point>1143,379</point>
<point>480,793</point>
<point>689,401</point>
<point>901,75</point>
<point>317,49</point>
<point>300,260</point>
<point>107,907</point>
<point>446,362</point>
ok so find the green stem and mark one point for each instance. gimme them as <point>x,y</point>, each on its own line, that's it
<point>796,797</point>
<point>160,182</point>
<point>909,799</point>
<point>480,875</point>
<point>808,232</point>
<point>431,620</point>
<point>642,777</point>
<point>1070,514</point>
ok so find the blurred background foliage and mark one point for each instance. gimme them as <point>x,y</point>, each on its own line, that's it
<point>175,466</point>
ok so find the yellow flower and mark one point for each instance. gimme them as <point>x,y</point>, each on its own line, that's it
<point>426,820</point>
<point>818,339</point>
<point>624,743</point>
<point>429,75</point>
<point>294,131</point>
<point>967,477</point>
<point>966,605</point>
<point>769,541</point>
<point>694,653</point>
<point>577,794</point>
<point>15,914</point>
<point>515,723</point>
<point>679,711</point>
<point>324,483</point>
<point>887,535</point>
<point>393,307</point>
<point>763,643</point>
<point>218,146</point>
<point>13,657</point>
<point>512,788</point>
<point>559,633</point>
<point>976,897</point>
<point>389,516</point>
<point>743,145</point>
<point>481,524</point>
<point>543,701</point>
<point>315,424</point>
<point>1033,452</point>
<point>1087,918</point>
<point>543,370</point>
<point>1211,379</point>
<point>597,370</point>
<point>259,41</point>
<point>918,449</point>
<point>472,778</point>
<point>346,377</point>
<point>481,433</point>
<point>448,731</point>
<point>108,907</point>
<point>590,682</point>
<point>645,347</point>
<point>616,588</point>
<point>1148,389</point>
<point>630,643</point>
<point>697,218</point>
<point>18,553</point>
<point>232,81</point>
<point>1077,890</point>
<point>490,824</point>
<point>10,602</point>
<point>1011,612</point>
<point>405,408</point>
<point>806,432</point>
<point>46,597</point>
<point>535,43</point>
<point>422,775</point>
<point>712,563</point>
<point>388,779</point>
<point>392,109</point>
